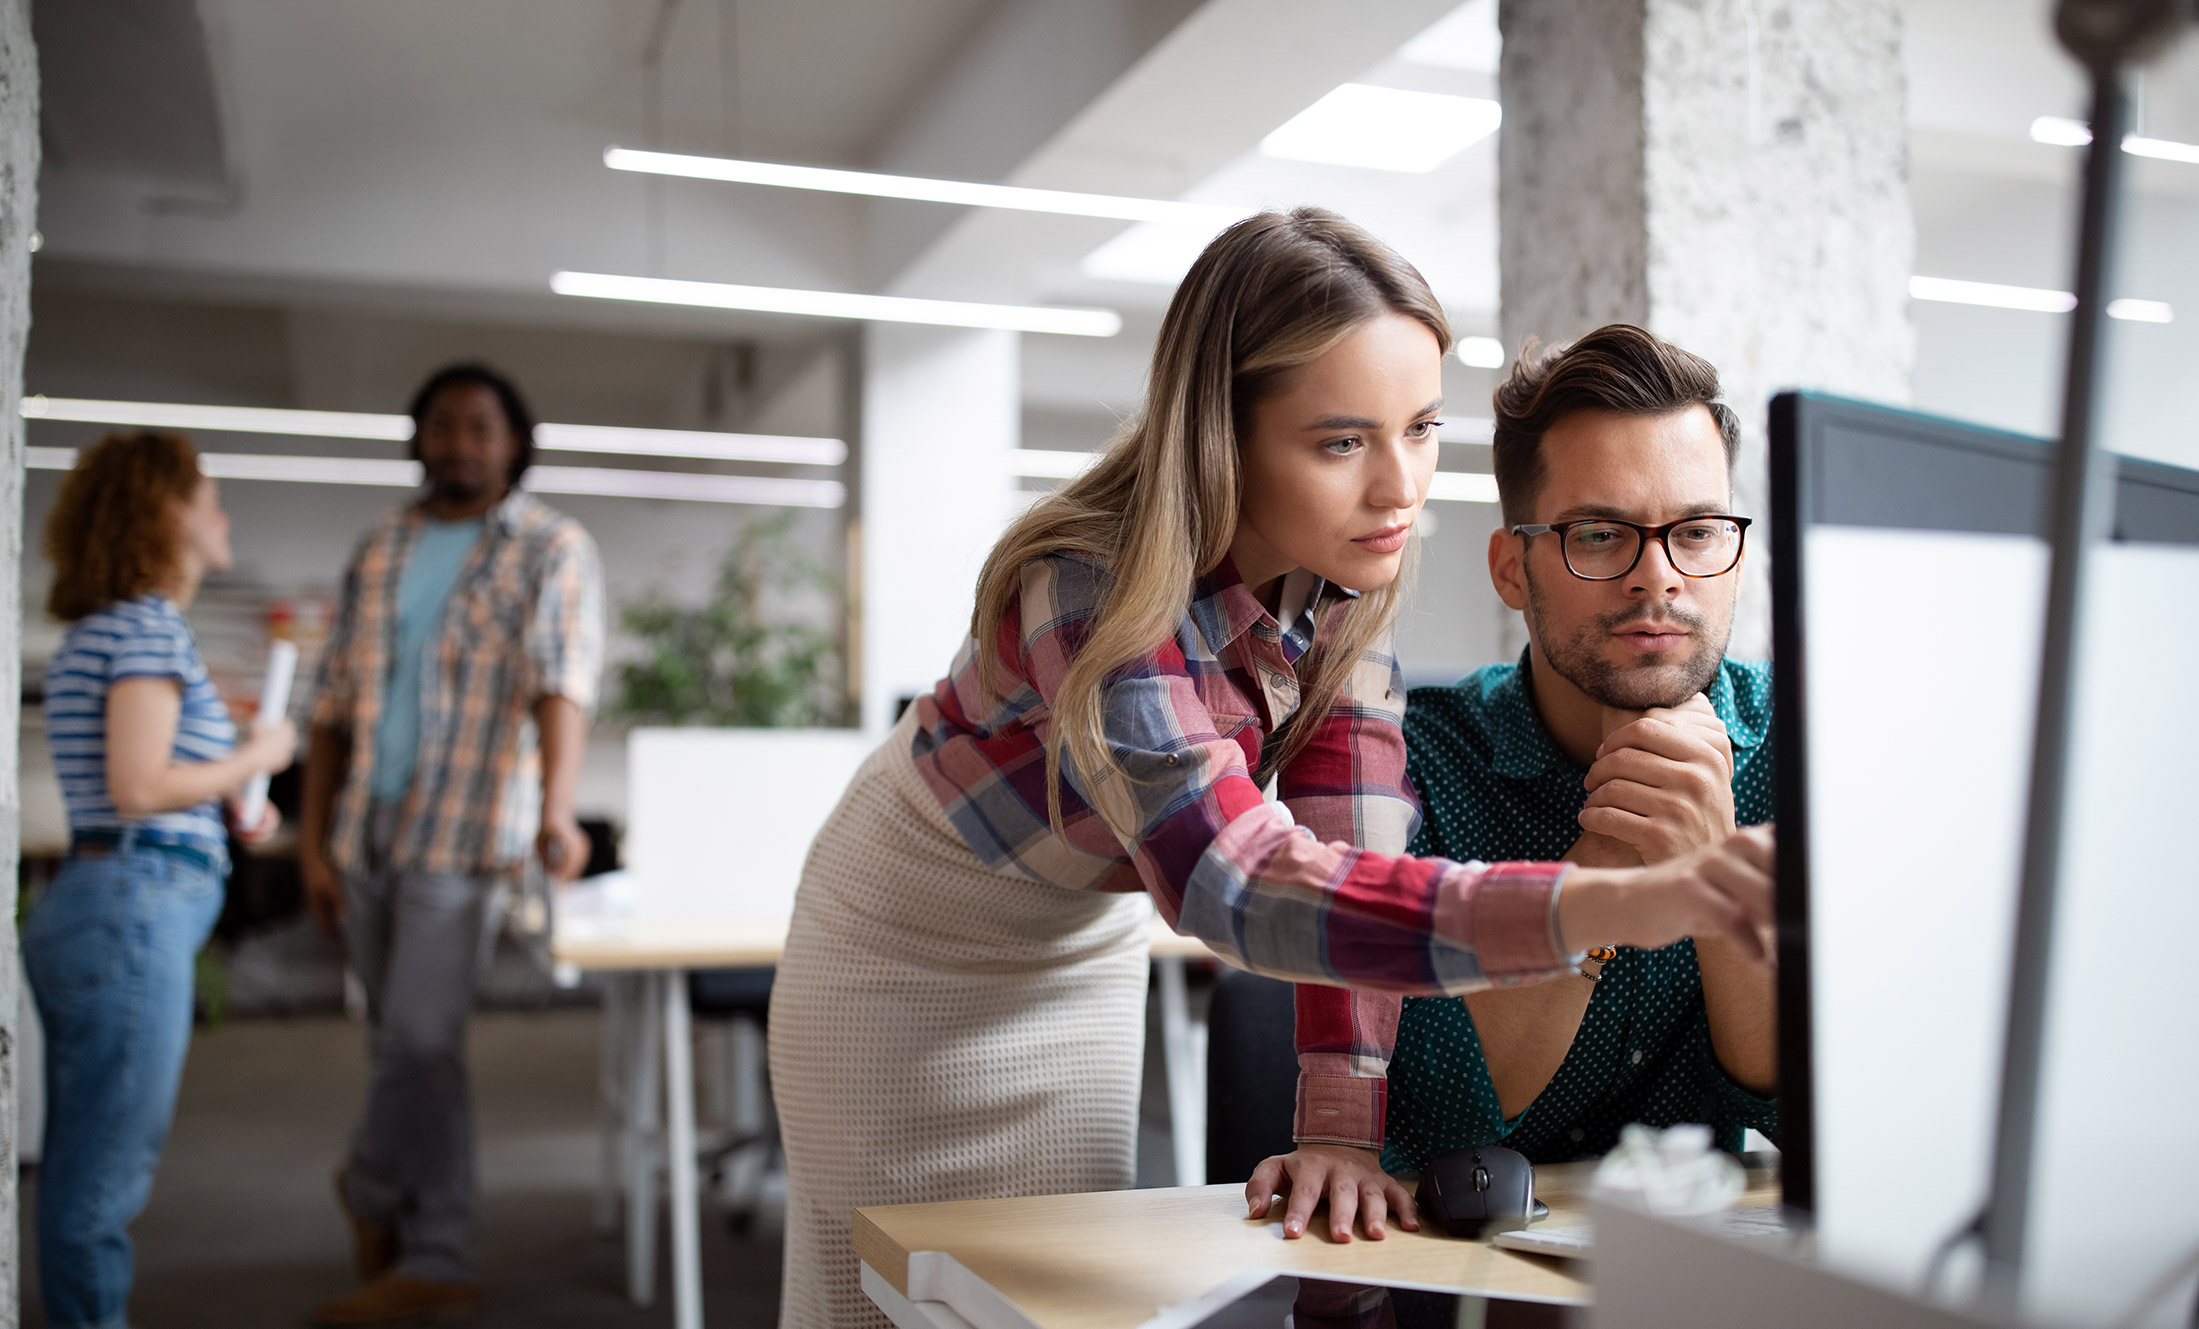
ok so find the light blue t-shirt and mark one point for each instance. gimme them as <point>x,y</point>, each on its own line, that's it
<point>431,572</point>
<point>142,638</point>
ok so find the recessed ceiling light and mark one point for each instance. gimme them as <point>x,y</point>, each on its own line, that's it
<point>2063,132</point>
<point>840,304</point>
<point>1150,254</point>
<point>1386,129</point>
<point>1462,487</point>
<point>691,443</point>
<point>1040,464</point>
<point>1481,352</point>
<point>2036,299</point>
<point>872,184</point>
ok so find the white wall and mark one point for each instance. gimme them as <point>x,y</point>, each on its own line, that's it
<point>941,410</point>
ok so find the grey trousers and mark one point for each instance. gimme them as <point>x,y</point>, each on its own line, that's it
<point>413,939</point>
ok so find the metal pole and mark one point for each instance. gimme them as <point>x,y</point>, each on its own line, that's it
<point>2084,502</point>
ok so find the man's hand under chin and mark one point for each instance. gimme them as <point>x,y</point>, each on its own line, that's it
<point>1663,780</point>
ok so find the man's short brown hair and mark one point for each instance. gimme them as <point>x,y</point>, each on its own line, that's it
<point>1619,368</point>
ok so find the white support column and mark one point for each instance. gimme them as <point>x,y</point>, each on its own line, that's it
<point>941,410</point>
<point>18,222</point>
<point>1732,175</point>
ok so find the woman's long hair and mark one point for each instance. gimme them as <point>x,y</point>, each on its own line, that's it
<point>113,533</point>
<point>1159,509</point>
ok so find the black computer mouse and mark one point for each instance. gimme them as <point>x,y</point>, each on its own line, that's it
<point>1477,1192</point>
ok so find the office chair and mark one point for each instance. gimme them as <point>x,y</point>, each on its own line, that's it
<point>744,1159</point>
<point>1251,1074</point>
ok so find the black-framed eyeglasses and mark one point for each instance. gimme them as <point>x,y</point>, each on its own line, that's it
<point>1602,549</point>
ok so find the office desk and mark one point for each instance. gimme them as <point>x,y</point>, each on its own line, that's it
<point>1113,1260</point>
<point>647,1026</point>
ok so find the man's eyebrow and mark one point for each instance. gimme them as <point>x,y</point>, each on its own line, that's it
<point>1599,511</point>
<point>1362,422</point>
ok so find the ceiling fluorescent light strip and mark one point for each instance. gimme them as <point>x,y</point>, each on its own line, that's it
<point>685,486</point>
<point>1469,430</point>
<point>693,444</point>
<point>2063,132</point>
<point>964,193</point>
<point>840,304</point>
<point>1384,129</point>
<point>220,419</point>
<point>588,480</point>
<point>2035,299</point>
<point>1462,487</point>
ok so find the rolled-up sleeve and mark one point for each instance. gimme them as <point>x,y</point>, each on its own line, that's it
<point>1240,874</point>
<point>565,625</point>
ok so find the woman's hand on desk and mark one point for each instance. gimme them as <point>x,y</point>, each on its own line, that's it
<point>1724,890</point>
<point>1351,1180</point>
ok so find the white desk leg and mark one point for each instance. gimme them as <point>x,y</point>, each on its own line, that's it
<point>679,1103</point>
<point>1181,1046</point>
<point>612,1109</point>
<point>642,1138</point>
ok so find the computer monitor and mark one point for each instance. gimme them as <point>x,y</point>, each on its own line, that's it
<point>1909,587</point>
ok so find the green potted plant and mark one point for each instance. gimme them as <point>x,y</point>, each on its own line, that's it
<point>739,661</point>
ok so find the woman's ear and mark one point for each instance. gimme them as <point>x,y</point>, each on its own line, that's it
<point>1505,570</point>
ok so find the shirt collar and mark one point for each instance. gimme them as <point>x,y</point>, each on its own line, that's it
<point>1225,608</point>
<point>1722,700</point>
<point>504,517</point>
<point>1523,748</point>
<point>1520,748</point>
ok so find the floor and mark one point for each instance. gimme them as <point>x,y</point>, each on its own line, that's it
<point>242,1232</point>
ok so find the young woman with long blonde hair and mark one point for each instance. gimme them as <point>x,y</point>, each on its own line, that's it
<point>1204,613</point>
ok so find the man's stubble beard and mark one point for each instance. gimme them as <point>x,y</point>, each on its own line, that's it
<point>1578,660</point>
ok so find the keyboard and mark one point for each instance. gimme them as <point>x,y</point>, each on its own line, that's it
<point>1577,1241</point>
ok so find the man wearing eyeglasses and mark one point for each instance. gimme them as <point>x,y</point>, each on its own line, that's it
<point>1622,735</point>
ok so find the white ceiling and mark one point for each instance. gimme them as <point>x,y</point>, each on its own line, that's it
<point>440,158</point>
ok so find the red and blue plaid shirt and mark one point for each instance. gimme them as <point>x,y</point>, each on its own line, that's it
<point>1289,889</point>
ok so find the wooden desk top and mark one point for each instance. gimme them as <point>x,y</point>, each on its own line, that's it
<point>1113,1260</point>
<point>714,944</point>
<point>727,944</point>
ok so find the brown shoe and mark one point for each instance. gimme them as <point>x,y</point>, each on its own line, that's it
<point>373,1245</point>
<point>399,1297</point>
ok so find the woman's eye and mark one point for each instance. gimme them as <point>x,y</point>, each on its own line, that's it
<point>1341,447</point>
<point>1425,428</point>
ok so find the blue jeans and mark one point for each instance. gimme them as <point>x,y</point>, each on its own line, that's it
<point>110,948</point>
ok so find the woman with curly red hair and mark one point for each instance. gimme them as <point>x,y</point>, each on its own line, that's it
<point>148,761</point>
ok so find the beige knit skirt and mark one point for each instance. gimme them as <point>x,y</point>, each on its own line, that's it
<point>940,1031</point>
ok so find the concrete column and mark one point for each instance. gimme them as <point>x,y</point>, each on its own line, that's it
<point>1732,175</point>
<point>942,408</point>
<point>18,221</point>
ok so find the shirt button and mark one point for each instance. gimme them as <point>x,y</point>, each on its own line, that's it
<point>1577,1134</point>
<point>1637,1057</point>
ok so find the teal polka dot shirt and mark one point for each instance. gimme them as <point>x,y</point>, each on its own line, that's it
<point>1495,787</point>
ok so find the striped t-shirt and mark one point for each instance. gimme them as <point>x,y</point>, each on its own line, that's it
<point>142,638</point>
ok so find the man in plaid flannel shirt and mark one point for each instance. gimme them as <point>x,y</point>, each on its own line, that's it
<point>446,747</point>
